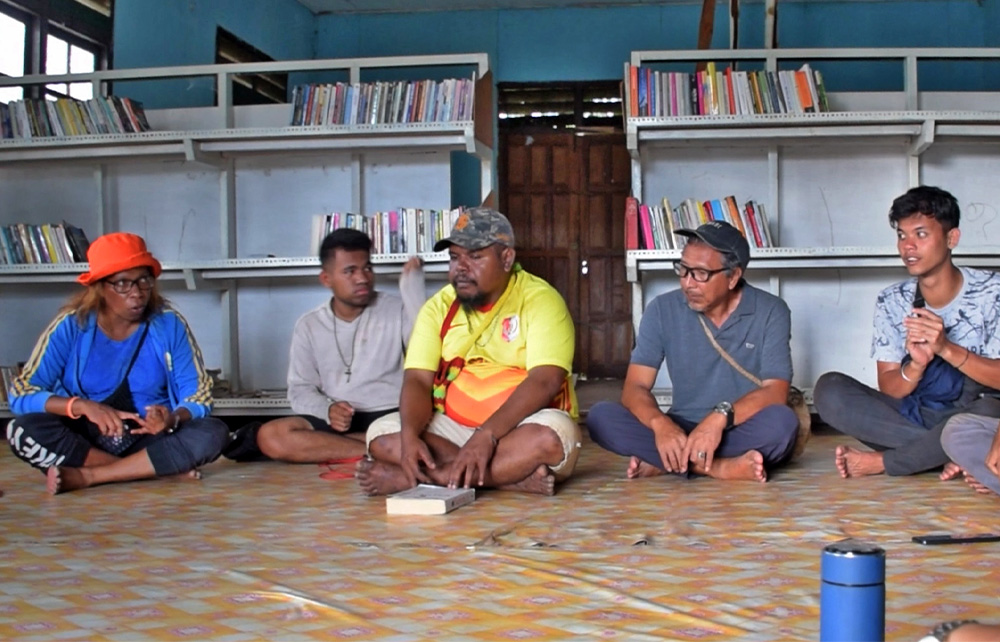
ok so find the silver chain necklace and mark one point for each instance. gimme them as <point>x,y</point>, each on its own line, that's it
<point>354,343</point>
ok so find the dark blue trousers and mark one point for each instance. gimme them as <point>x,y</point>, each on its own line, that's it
<point>771,432</point>
<point>44,440</point>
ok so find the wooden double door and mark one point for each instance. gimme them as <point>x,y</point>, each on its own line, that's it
<point>565,196</point>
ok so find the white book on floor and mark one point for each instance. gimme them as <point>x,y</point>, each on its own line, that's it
<point>425,499</point>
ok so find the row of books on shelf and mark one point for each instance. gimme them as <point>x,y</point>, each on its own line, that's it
<point>383,102</point>
<point>23,243</point>
<point>8,373</point>
<point>39,118</point>
<point>652,93</point>
<point>653,227</point>
<point>405,230</point>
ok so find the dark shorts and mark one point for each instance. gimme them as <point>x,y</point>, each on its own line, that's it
<point>243,442</point>
<point>359,422</point>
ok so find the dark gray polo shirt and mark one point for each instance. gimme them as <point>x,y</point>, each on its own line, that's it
<point>756,335</point>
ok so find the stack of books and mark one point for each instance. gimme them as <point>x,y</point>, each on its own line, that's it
<point>23,243</point>
<point>405,230</point>
<point>34,118</point>
<point>383,103</point>
<point>653,227</point>
<point>664,94</point>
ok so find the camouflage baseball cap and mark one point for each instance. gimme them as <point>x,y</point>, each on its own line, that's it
<point>477,228</point>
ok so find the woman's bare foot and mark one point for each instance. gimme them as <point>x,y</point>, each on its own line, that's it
<point>540,482</point>
<point>858,463</point>
<point>379,478</point>
<point>749,466</point>
<point>951,471</point>
<point>637,469</point>
<point>192,474</point>
<point>62,480</point>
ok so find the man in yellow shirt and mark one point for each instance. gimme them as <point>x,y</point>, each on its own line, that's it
<point>487,396</point>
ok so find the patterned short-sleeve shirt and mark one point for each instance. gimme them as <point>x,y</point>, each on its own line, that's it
<point>970,319</point>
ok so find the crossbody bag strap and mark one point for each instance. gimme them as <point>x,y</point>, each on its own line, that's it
<point>725,355</point>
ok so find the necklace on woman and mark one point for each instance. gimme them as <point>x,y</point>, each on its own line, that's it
<point>354,343</point>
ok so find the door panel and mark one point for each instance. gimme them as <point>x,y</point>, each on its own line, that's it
<point>565,195</point>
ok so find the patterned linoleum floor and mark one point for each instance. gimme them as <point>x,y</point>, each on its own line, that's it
<point>273,552</point>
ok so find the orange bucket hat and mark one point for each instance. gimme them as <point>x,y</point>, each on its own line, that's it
<point>117,252</point>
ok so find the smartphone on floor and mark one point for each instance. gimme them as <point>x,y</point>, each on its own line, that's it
<point>929,540</point>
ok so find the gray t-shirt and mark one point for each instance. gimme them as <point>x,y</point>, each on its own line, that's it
<point>970,319</point>
<point>372,344</point>
<point>756,335</point>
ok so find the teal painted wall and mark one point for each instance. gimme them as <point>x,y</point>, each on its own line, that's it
<point>586,44</point>
<point>543,45</point>
<point>551,44</point>
<point>154,33</point>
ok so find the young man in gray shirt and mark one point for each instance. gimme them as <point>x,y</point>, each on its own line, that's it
<point>345,363</point>
<point>721,423</point>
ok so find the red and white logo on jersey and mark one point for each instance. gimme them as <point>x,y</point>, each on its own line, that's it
<point>510,328</point>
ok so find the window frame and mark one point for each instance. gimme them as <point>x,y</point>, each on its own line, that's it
<point>72,40</point>
<point>249,89</point>
<point>59,18</point>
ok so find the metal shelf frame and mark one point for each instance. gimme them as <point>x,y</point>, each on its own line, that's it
<point>905,122</point>
<point>202,274</point>
<point>218,141</point>
<point>920,128</point>
<point>799,258</point>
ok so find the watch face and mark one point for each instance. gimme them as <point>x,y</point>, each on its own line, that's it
<point>724,406</point>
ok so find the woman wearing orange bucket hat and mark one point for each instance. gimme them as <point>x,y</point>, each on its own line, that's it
<point>115,389</point>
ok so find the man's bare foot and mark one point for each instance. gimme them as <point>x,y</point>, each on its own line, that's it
<point>62,480</point>
<point>951,471</point>
<point>637,469</point>
<point>749,467</point>
<point>977,485</point>
<point>540,482</point>
<point>858,463</point>
<point>379,478</point>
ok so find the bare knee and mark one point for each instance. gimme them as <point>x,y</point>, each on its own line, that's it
<point>385,447</point>
<point>544,441</point>
<point>272,437</point>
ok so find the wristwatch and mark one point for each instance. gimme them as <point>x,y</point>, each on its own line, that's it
<point>725,408</point>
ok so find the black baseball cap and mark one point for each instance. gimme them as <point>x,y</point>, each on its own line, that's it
<point>723,237</point>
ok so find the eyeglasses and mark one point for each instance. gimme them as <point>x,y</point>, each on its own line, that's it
<point>124,286</point>
<point>700,275</point>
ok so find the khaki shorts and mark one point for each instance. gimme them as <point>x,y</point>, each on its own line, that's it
<point>443,426</point>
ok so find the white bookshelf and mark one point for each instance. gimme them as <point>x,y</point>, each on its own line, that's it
<point>827,181</point>
<point>225,195</point>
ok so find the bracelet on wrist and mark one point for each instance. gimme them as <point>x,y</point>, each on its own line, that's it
<point>902,373</point>
<point>69,408</point>
<point>967,353</point>
<point>943,631</point>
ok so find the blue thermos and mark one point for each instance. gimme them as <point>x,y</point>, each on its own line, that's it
<point>852,593</point>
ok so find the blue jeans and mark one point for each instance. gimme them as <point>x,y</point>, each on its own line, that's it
<point>771,432</point>
<point>44,440</point>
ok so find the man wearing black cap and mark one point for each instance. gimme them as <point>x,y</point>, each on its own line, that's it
<point>726,346</point>
<point>487,398</point>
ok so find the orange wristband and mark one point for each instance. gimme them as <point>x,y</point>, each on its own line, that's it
<point>69,408</point>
